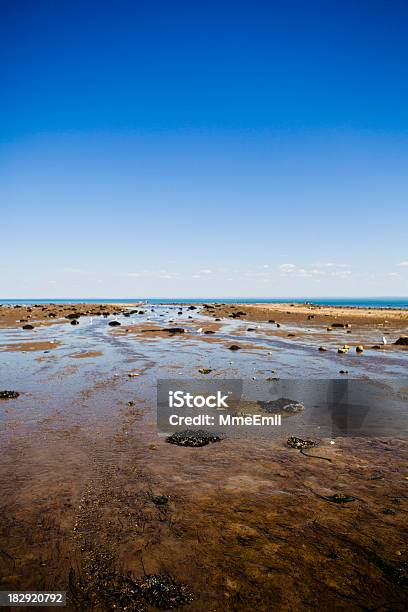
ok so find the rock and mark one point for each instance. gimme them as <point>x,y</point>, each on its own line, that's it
<point>282,405</point>
<point>338,325</point>
<point>218,319</point>
<point>322,348</point>
<point>291,335</point>
<point>74,322</point>
<point>234,347</point>
<point>251,329</point>
<point>114,323</point>
<point>339,498</point>
<point>9,394</point>
<point>360,348</point>
<point>193,438</point>
<point>342,350</point>
<point>174,330</point>
<point>159,500</point>
<point>205,370</point>
<point>278,325</point>
<point>271,321</point>
<point>329,328</point>
<point>343,371</point>
<point>402,341</point>
<point>192,308</point>
<point>299,443</point>
<point>28,326</point>
<point>73,315</point>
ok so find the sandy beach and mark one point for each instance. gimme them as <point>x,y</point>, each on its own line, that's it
<point>97,503</point>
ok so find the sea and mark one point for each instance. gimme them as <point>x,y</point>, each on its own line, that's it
<point>368,302</point>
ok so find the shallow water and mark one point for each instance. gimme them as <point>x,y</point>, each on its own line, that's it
<point>247,523</point>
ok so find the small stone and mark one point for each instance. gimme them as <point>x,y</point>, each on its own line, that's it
<point>402,341</point>
<point>205,370</point>
<point>234,347</point>
<point>114,323</point>
<point>193,438</point>
<point>74,322</point>
<point>360,348</point>
<point>322,348</point>
<point>9,394</point>
<point>28,326</point>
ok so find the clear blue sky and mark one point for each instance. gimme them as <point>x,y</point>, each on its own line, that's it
<point>203,148</point>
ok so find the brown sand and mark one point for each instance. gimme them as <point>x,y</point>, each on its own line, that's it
<point>30,346</point>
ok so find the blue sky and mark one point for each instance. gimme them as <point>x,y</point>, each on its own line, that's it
<point>203,148</point>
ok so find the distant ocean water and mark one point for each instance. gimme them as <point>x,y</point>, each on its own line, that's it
<point>371,302</point>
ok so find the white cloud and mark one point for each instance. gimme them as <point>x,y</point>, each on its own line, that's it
<point>205,271</point>
<point>287,268</point>
<point>403,263</point>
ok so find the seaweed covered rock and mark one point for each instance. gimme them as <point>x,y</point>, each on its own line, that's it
<point>193,438</point>
<point>402,341</point>
<point>299,443</point>
<point>9,394</point>
<point>282,405</point>
<point>339,498</point>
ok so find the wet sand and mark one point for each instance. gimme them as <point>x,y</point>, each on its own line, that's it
<point>246,523</point>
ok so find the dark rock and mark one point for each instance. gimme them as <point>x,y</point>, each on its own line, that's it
<point>271,321</point>
<point>9,394</point>
<point>193,438</point>
<point>159,500</point>
<point>28,326</point>
<point>339,498</point>
<point>73,315</point>
<point>209,331</point>
<point>338,325</point>
<point>205,370</point>
<point>174,330</point>
<point>234,347</point>
<point>250,329</point>
<point>402,341</point>
<point>282,405</point>
<point>74,322</point>
<point>192,308</point>
<point>114,323</point>
<point>299,443</point>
